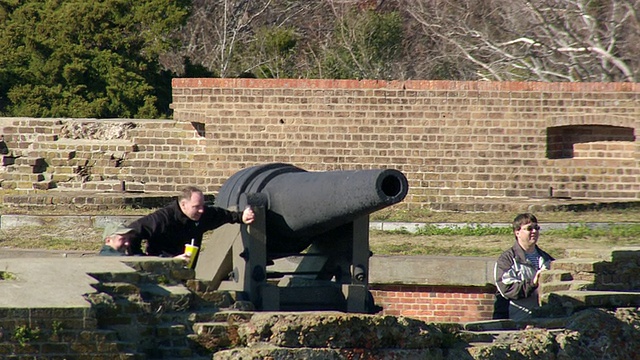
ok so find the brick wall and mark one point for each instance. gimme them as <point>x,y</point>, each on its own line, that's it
<point>151,156</point>
<point>436,303</point>
<point>455,141</point>
<point>460,144</point>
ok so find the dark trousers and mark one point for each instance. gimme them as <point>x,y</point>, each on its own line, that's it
<point>500,307</point>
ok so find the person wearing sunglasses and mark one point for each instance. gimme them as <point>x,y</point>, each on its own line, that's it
<point>517,271</point>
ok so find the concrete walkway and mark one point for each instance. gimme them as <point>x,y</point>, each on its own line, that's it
<point>10,253</point>
<point>53,282</point>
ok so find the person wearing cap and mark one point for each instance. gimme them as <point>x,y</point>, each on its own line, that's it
<point>116,240</point>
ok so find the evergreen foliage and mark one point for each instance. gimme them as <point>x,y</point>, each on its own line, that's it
<point>78,58</point>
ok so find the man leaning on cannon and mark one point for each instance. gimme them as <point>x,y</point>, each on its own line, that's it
<point>184,221</point>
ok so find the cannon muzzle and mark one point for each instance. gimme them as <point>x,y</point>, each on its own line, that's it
<point>302,205</point>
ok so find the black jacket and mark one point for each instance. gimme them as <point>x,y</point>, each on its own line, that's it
<point>168,229</point>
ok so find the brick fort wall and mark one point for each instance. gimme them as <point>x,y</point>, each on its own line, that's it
<point>460,144</point>
<point>455,141</point>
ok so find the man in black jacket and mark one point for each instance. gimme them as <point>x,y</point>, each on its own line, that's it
<point>184,221</point>
<point>517,271</point>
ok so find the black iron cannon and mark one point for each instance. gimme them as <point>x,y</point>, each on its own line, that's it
<point>317,220</point>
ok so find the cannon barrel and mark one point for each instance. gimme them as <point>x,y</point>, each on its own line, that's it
<point>302,205</point>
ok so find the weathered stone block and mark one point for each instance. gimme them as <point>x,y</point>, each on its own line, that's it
<point>6,349</point>
<point>329,330</point>
<point>274,352</point>
<point>54,348</point>
<point>233,316</point>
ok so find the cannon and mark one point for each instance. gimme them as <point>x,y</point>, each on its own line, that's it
<point>308,248</point>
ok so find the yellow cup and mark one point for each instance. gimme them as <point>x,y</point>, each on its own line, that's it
<point>192,251</point>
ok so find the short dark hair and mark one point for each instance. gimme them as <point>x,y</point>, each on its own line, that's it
<point>188,192</point>
<point>524,218</point>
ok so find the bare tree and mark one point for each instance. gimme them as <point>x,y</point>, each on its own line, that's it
<point>361,40</point>
<point>214,32</point>
<point>234,37</point>
<point>278,47</point>
<point>537,40</point>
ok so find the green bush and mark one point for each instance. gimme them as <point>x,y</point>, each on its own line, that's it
<point>82,58</point>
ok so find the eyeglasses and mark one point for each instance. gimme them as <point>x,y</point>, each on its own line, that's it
<point>531,227</point>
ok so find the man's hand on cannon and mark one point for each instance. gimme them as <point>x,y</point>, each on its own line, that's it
<point>248,215</point>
